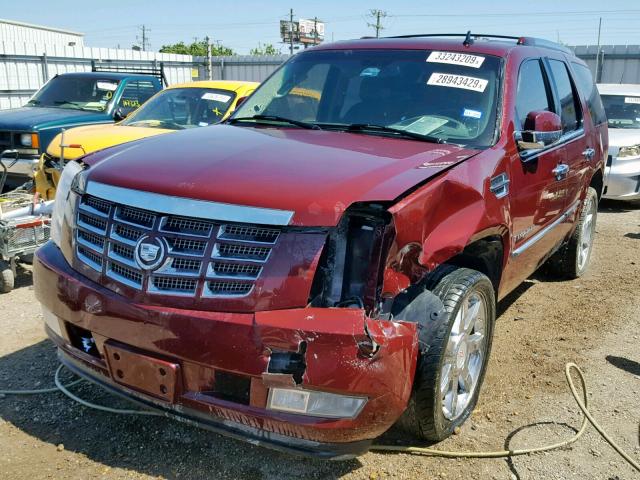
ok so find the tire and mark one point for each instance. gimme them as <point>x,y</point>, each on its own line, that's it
<point>7,278</point>
<point>430,414</point>
<point>572,260</point>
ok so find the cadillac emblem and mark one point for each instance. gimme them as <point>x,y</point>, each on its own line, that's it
<point>150,252</point>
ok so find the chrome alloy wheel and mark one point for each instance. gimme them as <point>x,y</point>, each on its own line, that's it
<point>464,356</point>
<point>586,235</point>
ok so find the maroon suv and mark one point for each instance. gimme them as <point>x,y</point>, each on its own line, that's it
<point>329,261</point>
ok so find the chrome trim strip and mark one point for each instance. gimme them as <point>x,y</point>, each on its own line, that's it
<point>538,236</point>
<point>564,140</point>
<point>186,207</point>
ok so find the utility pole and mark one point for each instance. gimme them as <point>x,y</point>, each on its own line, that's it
<point>144,40</point>
<point>315,30</point>
<point>291,31</point>
<point>597,75</point>
<point>209,59</point>
<point>378,14</point>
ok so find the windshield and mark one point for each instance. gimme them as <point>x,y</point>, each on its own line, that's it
<point>80,93</point>
<point>444,95</point>
<point>623,111</point>
<point>179,108</point>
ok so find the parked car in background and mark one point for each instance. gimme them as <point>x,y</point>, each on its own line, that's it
<point>69,100</point>
<point>181,106</point>
<point>622,106</point>
<point>328,261</point>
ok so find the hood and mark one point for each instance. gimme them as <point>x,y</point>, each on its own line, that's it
<point>97,137</point>
<point>316,174</point>
<point>35,118</point>
<point>624,137</point>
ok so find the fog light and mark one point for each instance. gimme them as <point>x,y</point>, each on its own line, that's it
<point>319,404</point>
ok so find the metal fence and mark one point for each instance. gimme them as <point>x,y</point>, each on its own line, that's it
<point>616,63</point>
<point>24,68</point>
<point>239,67</point>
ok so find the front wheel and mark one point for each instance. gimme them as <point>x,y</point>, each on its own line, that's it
<point>449,375</point>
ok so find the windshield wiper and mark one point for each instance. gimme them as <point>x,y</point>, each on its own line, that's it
<point>275,118</point>
<point>364,127</point>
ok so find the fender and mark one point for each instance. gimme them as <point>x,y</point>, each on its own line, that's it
<point>436,223</point>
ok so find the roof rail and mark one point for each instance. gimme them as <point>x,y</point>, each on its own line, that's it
<point>530,41</point>
<point>156,71</point>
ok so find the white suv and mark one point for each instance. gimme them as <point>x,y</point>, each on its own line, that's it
<point>622,106</point>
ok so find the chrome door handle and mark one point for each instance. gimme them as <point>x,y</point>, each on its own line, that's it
<point>561,171</point>
<point>589,153</point>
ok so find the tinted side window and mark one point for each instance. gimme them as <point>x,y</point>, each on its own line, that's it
<point>588,87</point>
<point>135,93</point>
<point>531,94</point>
<point>569,103</point>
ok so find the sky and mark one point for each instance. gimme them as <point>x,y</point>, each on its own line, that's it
<point>243,24</point>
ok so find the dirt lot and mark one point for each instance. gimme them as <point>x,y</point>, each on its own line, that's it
<point>525,402</point>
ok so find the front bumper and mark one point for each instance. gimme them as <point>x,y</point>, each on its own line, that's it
<point>22,171</point>
<point>204,343</point>
<point>622,180</point>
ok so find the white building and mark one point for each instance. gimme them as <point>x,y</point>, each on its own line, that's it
<point>26,33</point>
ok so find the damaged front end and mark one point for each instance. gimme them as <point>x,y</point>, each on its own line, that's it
<point>323,379</point>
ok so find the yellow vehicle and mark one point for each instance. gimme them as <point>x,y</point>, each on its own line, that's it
<point>187,105</point>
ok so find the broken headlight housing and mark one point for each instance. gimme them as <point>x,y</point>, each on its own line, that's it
<point>69,180</point>
<point>315,403</point>
<point>351,268</point>
<point>629,152</point>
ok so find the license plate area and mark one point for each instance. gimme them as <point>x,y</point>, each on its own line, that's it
<point>138,371</point>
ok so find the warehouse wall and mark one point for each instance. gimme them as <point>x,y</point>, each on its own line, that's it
<point>20,32</point>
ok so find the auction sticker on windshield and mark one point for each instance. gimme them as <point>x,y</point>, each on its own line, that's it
<point>216,97</point>
<point>452,58</point>
<point>110,86</point>
<point>631,99</point>
<point>458,81</point>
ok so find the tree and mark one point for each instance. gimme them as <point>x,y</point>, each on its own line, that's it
<point>197,49</point>
<point>268,49</point>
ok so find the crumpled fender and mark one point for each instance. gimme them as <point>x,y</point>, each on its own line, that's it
<point>437,221</point>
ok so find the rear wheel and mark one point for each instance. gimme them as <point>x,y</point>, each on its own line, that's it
<point>7,277</point>
<point>449,375</point>
<point>572,260</point>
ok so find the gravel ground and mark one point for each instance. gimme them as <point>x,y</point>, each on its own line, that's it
<point>524,402</point>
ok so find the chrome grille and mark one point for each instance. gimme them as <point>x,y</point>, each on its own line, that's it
<point>130,275</point>
<point>188,226</point>
<point>249,233</point>
<point>244,252</point>
<point>237,289</point>
<point>235,270</point>
<point>203,257</point>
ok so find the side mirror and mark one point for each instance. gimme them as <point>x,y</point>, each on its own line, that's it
<point>541,129</point>
<point>119,114</point>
